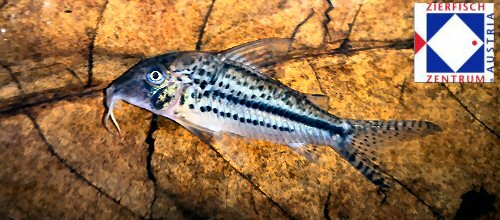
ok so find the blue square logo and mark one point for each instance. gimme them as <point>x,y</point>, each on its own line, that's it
<point>454,42</point>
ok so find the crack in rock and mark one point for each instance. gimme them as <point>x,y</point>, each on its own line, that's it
<point>204,25</point>
<point>326,206</point>
<point>348,51</point>
<point>403,86</point>
<point>300,25</point>
<point>435,211</point>
<point>13,76</point>
<point>491,130</point>
<point>320,84</point>
<point>345,43</point>
<point>92,38</point>
<point>149,166</point>
<point>45,97</point>
<point>73,170</point>
<point>74,74</point>
<point>151,149</point>
<point>327,21</point>
<point>248,178</point>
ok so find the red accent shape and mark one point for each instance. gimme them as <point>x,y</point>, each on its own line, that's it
<point>474,43</point>
<point>419,43</point>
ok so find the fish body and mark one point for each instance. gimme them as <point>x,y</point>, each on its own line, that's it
<point>229,95</point>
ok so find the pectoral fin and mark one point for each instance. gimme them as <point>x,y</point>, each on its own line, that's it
<point>217,139</point>
<point>204,134</point>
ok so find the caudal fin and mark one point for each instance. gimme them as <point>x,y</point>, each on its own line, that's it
<point>365,146</point>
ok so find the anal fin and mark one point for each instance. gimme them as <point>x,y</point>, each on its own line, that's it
<point>307,151</point>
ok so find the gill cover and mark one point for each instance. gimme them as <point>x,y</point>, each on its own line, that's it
<point>162,89</point>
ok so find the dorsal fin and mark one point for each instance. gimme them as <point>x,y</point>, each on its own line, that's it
<point>262,54</point>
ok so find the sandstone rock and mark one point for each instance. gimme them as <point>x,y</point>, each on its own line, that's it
<point>460,159</point>
<point>227,27</point>
<point>482,100</point>
<point>46,78</point>
<point>64,164</point>
<point>151,28</point>
<point>300,76</point>
<point>107,68</point>
<point>37,185</point>
<point>36,31</point>
<point>202,182</point>
<point>438,169</point>
<point>8,87</point>
<point>340,19</point>
<point>376,75</point>
<point>115,164</point>
<point>311,32</point>
<point>384,21</point>
<point>164,207</point>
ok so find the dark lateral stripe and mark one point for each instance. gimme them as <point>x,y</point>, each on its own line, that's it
<point>312,122</point>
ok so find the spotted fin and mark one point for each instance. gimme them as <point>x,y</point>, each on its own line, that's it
<point>322,101</point>
<point>390,133</point>
<point>261,54</point>
<point>366,147</point>
<point>370,169</point>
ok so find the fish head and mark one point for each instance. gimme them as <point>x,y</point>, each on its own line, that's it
<point>149,84</point>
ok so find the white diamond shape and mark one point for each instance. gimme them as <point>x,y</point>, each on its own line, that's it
<point>454,43</point>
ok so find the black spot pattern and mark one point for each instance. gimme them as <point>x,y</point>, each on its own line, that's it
<point>366,167</point>
<point>203,84</point>
<point>252,101</point>
<point>182,101</point>
<point>279,111</point>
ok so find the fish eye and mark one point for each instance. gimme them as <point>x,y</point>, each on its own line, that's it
<point>155,77</point>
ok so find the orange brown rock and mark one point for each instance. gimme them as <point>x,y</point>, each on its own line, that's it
<point>47,47</point>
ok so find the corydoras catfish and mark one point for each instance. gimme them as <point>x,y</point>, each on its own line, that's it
<point>221,96</point>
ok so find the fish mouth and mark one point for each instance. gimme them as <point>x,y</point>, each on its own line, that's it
<point>110,104</point>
